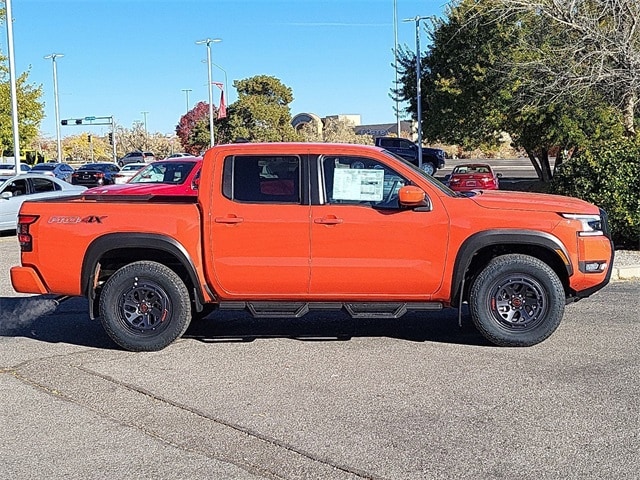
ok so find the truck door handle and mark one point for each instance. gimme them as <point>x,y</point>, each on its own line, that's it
<point>328,220</point>
<point>229,219</point>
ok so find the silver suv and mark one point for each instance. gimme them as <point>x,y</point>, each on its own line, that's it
<point>137,157</point>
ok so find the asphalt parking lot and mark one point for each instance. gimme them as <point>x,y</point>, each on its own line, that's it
<point>322,397</point>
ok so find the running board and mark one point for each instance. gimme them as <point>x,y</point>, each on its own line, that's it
<point>355,309</point>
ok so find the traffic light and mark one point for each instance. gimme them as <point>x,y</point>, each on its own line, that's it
<point>63,122</point>
<point>110,138</point>
<point>89,138</point>
<point>78,121</point>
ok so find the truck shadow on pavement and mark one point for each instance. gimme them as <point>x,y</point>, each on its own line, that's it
<point>440,327</point>
<point>41,318</point>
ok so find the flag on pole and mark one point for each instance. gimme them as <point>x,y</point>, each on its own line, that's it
<point>222,109</point>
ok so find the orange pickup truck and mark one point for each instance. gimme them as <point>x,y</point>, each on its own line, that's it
<point>282,229</point>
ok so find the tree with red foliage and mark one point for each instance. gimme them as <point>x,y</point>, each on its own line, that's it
<point>193,129</point>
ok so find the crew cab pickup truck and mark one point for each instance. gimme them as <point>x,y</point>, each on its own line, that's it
<point>432,158</point>
<point>282,229</point>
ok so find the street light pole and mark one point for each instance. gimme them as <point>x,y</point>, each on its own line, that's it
<point>186,91</point>
<point>225,80</point>
<point>14,92</point>
<point>208,43</point>
<point>53,57</point>
<point>146,134</point>
<point>418,86</point>
<point>395,60</point>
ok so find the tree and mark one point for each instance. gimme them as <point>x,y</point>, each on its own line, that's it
<point>30,109</point>
<point>334,130</point>
<point>261,113</point>
<point>77,148</point>
<point>593,45</point>
<point>193,129</point>
<point>475,89</point>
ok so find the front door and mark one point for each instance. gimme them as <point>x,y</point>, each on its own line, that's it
<point>364,245</point>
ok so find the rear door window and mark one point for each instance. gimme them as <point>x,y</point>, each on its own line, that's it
<point>262,179</point>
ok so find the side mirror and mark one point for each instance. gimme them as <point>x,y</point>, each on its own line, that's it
<point>499,175</point>
<point>412,196</point>
<point>7,195</point>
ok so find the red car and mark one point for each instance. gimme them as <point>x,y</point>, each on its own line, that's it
<point>177,176</point>
<point>473,176</point>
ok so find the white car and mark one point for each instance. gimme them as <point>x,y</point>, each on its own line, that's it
<point>127,172</point>
<point>29,186</point>
<point>9,169</point>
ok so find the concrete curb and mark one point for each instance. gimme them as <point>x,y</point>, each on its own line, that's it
<point>625,273</point>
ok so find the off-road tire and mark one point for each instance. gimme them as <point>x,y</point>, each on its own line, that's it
<point>145,306</point>
<point>517,301</point>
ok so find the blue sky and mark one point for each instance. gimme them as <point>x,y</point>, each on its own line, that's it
<point>125,57</point>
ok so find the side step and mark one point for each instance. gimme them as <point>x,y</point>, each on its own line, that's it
<point>355,309</point>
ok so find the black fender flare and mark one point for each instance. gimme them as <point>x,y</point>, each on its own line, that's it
<point>488,238</point>
<point>148,241</point>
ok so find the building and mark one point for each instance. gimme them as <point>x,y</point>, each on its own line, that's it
<point>407,128</point>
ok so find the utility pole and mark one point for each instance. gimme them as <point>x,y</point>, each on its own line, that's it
<point>418,87</point>
<point>208,43</point>
<point>14,93</point>
<point>146,134</point>
<point>395,60</point>
<point>53,57</point>
<point>186,91</point>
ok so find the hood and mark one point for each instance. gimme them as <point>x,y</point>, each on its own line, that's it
<point>532,202</point>
<point>142,189</point>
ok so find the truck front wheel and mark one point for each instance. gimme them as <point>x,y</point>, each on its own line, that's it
<point>144,306</point>
<point>517,301</point>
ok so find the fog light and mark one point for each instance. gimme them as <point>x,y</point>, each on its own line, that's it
<point>593,267</point>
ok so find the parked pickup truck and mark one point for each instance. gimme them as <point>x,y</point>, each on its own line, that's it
<point>282,229</point>
<point>432,158</point>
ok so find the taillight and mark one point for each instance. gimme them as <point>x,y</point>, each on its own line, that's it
<point>24,237</point>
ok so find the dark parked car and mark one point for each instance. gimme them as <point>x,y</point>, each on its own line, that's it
<point>54,169</point>
<point>432,158</point>
<point>95,174</point>
<point>137,157</point>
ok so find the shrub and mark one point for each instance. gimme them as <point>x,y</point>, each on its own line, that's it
<point>607,175</point>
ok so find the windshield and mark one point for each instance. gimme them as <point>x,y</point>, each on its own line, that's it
<point>173,173</point>
<point>432,180</point>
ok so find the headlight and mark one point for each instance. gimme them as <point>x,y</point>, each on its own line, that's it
<point>591,224</point>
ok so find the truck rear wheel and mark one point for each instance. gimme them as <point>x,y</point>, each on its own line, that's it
<point>517,301</point>
<point>144,306</point>
<point>429,168</point>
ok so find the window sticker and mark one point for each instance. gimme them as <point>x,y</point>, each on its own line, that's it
<point>364,185</point>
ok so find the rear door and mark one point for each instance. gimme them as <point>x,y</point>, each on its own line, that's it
<point>260,227</point>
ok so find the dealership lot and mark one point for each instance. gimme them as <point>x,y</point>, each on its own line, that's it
<point>320,397</point>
